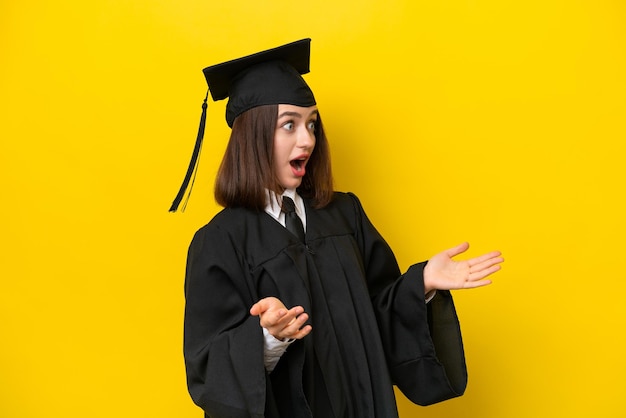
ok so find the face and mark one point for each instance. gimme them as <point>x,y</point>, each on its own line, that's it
<point>294,141</point>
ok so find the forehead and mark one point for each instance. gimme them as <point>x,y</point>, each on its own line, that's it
<point>291,110</point>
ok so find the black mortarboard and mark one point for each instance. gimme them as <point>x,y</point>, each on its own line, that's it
<point>268,77</point>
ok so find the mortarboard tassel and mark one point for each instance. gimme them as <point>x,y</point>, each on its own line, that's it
<point>193,164</point>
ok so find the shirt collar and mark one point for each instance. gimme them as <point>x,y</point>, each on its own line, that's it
<point>273,206</point>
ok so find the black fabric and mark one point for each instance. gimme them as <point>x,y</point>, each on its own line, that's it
<point>220,77</point>
<point>268,77</point>
<point>293,223</point>
<point>371,326</point>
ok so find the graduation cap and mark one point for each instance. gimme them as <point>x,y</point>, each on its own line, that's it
<point>269,77</point>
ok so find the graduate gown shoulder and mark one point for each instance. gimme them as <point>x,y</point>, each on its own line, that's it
<point>371,326</point>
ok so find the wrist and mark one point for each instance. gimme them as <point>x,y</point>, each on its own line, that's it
<point>429,287</point>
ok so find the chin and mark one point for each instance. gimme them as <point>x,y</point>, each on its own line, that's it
<point>293,184</point>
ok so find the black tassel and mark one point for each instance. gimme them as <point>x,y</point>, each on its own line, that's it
<point>193,164</point>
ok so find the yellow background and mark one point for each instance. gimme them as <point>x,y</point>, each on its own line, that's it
<point>500,123</point>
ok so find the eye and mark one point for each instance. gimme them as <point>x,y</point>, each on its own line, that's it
<point>311,125</point>
<point>288,126</point>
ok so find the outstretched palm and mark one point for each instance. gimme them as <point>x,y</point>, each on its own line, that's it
<point>443,273</point>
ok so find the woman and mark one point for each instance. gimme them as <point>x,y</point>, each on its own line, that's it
<point>316,321</point>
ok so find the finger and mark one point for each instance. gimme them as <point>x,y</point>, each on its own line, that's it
<point>297,327</point>
<point>483,273</point>
<point>459,249</point>
<point>485,263</point>
<point>280,318</point>
<point>291,329</point>
<point>273,318</point>
<point>292,314</point>
<point>306,330</point>
<point>485,257</point>
<point>262,305</point>
<point>258,308</point>
<point>297,323</point>
<point>475,284</point>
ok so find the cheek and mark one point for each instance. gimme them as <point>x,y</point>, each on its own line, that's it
<point>281,147</point>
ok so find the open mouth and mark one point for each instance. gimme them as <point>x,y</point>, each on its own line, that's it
<point>298,165</point>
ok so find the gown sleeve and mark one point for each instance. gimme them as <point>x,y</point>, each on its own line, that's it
<point>422,342</point>
<point>223,344</point>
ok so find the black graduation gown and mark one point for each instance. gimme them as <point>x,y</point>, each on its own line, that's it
<point>371,326</point>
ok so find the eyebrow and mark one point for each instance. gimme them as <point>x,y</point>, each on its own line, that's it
<point>296,114</point>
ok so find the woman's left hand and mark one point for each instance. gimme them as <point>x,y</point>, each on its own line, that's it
<point>443,273</point>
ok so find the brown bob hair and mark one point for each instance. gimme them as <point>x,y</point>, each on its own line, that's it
<point>246,171</point>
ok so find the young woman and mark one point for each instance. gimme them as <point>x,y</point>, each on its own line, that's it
<point>316,321</point>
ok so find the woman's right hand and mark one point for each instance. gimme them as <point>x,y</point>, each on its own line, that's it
<point>281,322</point>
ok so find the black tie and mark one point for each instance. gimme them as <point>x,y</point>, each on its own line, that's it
<point>292,220</point>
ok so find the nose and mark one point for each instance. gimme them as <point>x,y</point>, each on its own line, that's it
<point>306,138</point>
